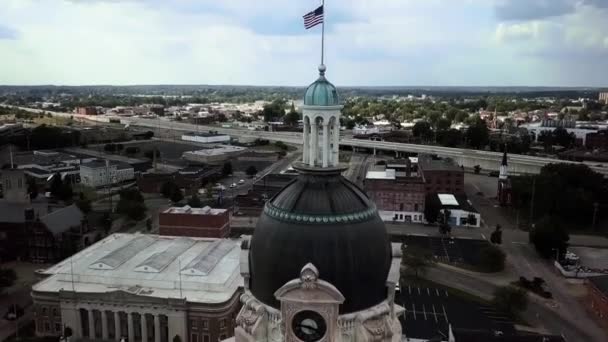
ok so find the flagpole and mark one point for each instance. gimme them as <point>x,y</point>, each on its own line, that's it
<point>323,31</point>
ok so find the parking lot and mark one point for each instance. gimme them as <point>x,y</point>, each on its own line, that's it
<point>448,249</point>
<point>429,311</point>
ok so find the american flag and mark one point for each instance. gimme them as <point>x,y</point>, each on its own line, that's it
<point>313,18</point>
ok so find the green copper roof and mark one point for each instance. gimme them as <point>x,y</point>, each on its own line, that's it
<point>321,92</point>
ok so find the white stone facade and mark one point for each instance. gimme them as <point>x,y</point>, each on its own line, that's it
<point>257,322</point>
<point>97,174</point>
<point>321,136</point>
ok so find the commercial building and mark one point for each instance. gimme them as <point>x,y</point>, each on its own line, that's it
<point>86,110</point>
<point>597,296</point>
<point>441,175</point>
<point>100,173</point>
<point>14,186</point>
<point>142,288</point>
<point>580,133</point>
<point>194,222</point>
<point>399,196</point>
<point>207,138</point>
<point>214,155</point>
<point>461,211</point>
<point>597,140</point>
<point>603,97</point>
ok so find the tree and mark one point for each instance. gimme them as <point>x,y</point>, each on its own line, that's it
<point>251,171</point>
<point>32,188</point>
<point>60,189</point>
<point>291,118</point>
<point>491,259</point>
<point>132,150</point>
<point>415,260</point>
<point>451,114</point>
<point>461,116</point>
<point>443,124</point>
<point>176,195</point>
<point>450,138</point>
<point>432,207</point>
<point>150,153</point>
<point>477,134</point>
<point>422,130</point>
<point>510,299</point>
<point>549,237</point>
<point>496,236</point>
<point>83,203</point>
<point>283,146</point>
<point>273,111</point>
<point>7,278</point>
<point>227,169</point>
<point>168,188</point>
<point>131,204</point>
<point>195,202</point>
<point>563,138</point>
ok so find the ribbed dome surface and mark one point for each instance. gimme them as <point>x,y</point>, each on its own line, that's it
<point>324,219</point>
<point>321,93</point>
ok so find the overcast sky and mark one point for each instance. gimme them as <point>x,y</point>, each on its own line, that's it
<point>263,42</point>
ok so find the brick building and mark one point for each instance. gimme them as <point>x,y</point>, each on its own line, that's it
<point>441,176</point>
<point>194,222</point>
<point>597,140</point>
<point>399,196</point>
<point>86,110</point>
<point>598,296</point>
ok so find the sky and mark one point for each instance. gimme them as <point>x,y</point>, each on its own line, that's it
<point>263,42</point>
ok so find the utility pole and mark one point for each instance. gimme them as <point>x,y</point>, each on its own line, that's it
<point>532,200</point>
<point>595,206</point>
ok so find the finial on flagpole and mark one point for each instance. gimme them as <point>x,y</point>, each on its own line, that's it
<point>323,34</point>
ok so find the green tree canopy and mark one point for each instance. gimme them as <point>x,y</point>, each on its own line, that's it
<point>491,259</point>
<point>422,130</point>
<point>510,299</point>
<point>251,171</point>
<point>477,134</point>
<point>415,260</point>
<point>549,237</point>
<point>131,204</point>
<point>195,202</point>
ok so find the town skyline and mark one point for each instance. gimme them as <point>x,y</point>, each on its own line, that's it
<point>395,43</point>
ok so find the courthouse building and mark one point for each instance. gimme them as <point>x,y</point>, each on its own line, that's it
<point>144,288</point>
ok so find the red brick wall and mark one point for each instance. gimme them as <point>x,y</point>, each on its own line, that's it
<point>439,181</point>
<point>214,226</point>
<point>396,195</point>
<point>598,302</point>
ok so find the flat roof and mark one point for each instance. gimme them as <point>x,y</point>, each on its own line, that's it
<point>206,135</point>
<point>447,199</point>
<point>217,150</point>
<point>151,264</point>
<point>386,174</point>
<point>195,211</point>
<point>601,283</point>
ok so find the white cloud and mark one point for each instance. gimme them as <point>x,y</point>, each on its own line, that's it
<point>400,42</point>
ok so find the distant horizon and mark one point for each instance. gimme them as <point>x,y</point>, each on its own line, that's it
<point>413,87</point>
<point>413,43</point>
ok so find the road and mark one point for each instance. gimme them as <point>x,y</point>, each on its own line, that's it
<point>522,260</point>
<point>487,159</point>
<point>539,312</point>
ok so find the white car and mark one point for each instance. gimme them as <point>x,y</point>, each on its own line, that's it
<point>242,181</point>
<point>233,185</point>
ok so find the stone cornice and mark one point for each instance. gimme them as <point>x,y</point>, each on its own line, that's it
<point>285,216</point>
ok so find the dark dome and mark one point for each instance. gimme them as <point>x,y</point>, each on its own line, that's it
<point>321,218</point>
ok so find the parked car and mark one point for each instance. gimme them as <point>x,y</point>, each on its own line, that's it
<point>494,174</point>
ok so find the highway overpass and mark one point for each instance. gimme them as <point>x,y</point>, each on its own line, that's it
<point>487,160</point>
